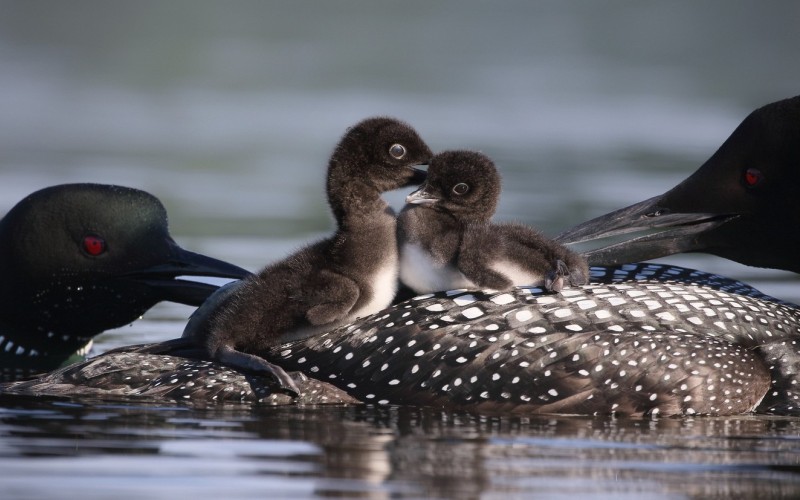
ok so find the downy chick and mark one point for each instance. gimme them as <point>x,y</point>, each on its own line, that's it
<point>447,239</point>
<point>350,274</point>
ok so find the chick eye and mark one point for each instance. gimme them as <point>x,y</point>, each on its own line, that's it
<point>753,177</point>
<point>94,245</point>
<point>397,150</point>
<point>460,188</point>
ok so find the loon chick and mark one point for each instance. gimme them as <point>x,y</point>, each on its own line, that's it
<point>741,204</point>
<point>78,259</point>
<point>447,239</point>
<point>351,274</point>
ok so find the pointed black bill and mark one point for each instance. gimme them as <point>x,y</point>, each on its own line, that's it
<point>161,277</point>
<point>669,232</point>
<point>417,178</point>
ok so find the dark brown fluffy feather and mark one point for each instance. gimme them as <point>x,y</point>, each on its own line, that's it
<point>350,274</point>
<point>454,231</point>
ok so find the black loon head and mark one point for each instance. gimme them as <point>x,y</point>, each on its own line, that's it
<point>381,152</point>
<point>78,259</point>
<point>463,183</point>
<point>742,204</point>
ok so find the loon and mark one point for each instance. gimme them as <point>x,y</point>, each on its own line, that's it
<point>742,204</point>
<point>639,339</point>
<point>78,259</point>
<point>447,240</point>
<point>351,274</point>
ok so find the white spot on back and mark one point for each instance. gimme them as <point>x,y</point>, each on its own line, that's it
<point>464,300</point>
<point>472,312</point>
<point>562,313</point>
<point>503,299</point>
<point>524,315</point>
<point>666,316</point>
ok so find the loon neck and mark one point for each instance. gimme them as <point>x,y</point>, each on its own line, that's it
<point>24,353</point>
<point>357,203</point>
<point>460,222</point>
<point>42,342</point>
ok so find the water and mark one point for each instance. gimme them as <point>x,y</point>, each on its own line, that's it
<point>228,111</point>
<point>100,451</point>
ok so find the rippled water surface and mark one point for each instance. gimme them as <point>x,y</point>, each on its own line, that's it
<point>100,451</point>
<point>228,111</point>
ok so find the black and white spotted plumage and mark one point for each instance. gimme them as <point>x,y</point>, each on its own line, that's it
<point>659,345</point>
<point>741,204</point>
<point>640,339</point>
<point>143,373</point>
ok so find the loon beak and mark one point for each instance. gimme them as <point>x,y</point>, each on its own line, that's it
<point>670,232</point>
<point>161,277</point>
<point>418,176</point>
<point>421,197</point>
<point>415,177</point>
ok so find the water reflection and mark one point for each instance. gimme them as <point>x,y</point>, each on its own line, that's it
<point>400,452</point>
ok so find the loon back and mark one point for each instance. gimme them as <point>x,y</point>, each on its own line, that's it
<point>674,342</point>
<point>169,371</point>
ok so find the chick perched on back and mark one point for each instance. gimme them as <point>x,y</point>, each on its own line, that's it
<point>350,274</point>
<point>447,239</point>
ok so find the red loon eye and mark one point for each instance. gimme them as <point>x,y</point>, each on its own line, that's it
<point>94,245</point>
<point>753,177</point>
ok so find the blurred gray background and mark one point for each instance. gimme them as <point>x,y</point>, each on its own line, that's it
<point>227,111</point>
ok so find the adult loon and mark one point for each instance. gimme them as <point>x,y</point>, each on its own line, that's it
<point>639,339</point>
<point>741,204</point>
<point>78,259</point>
